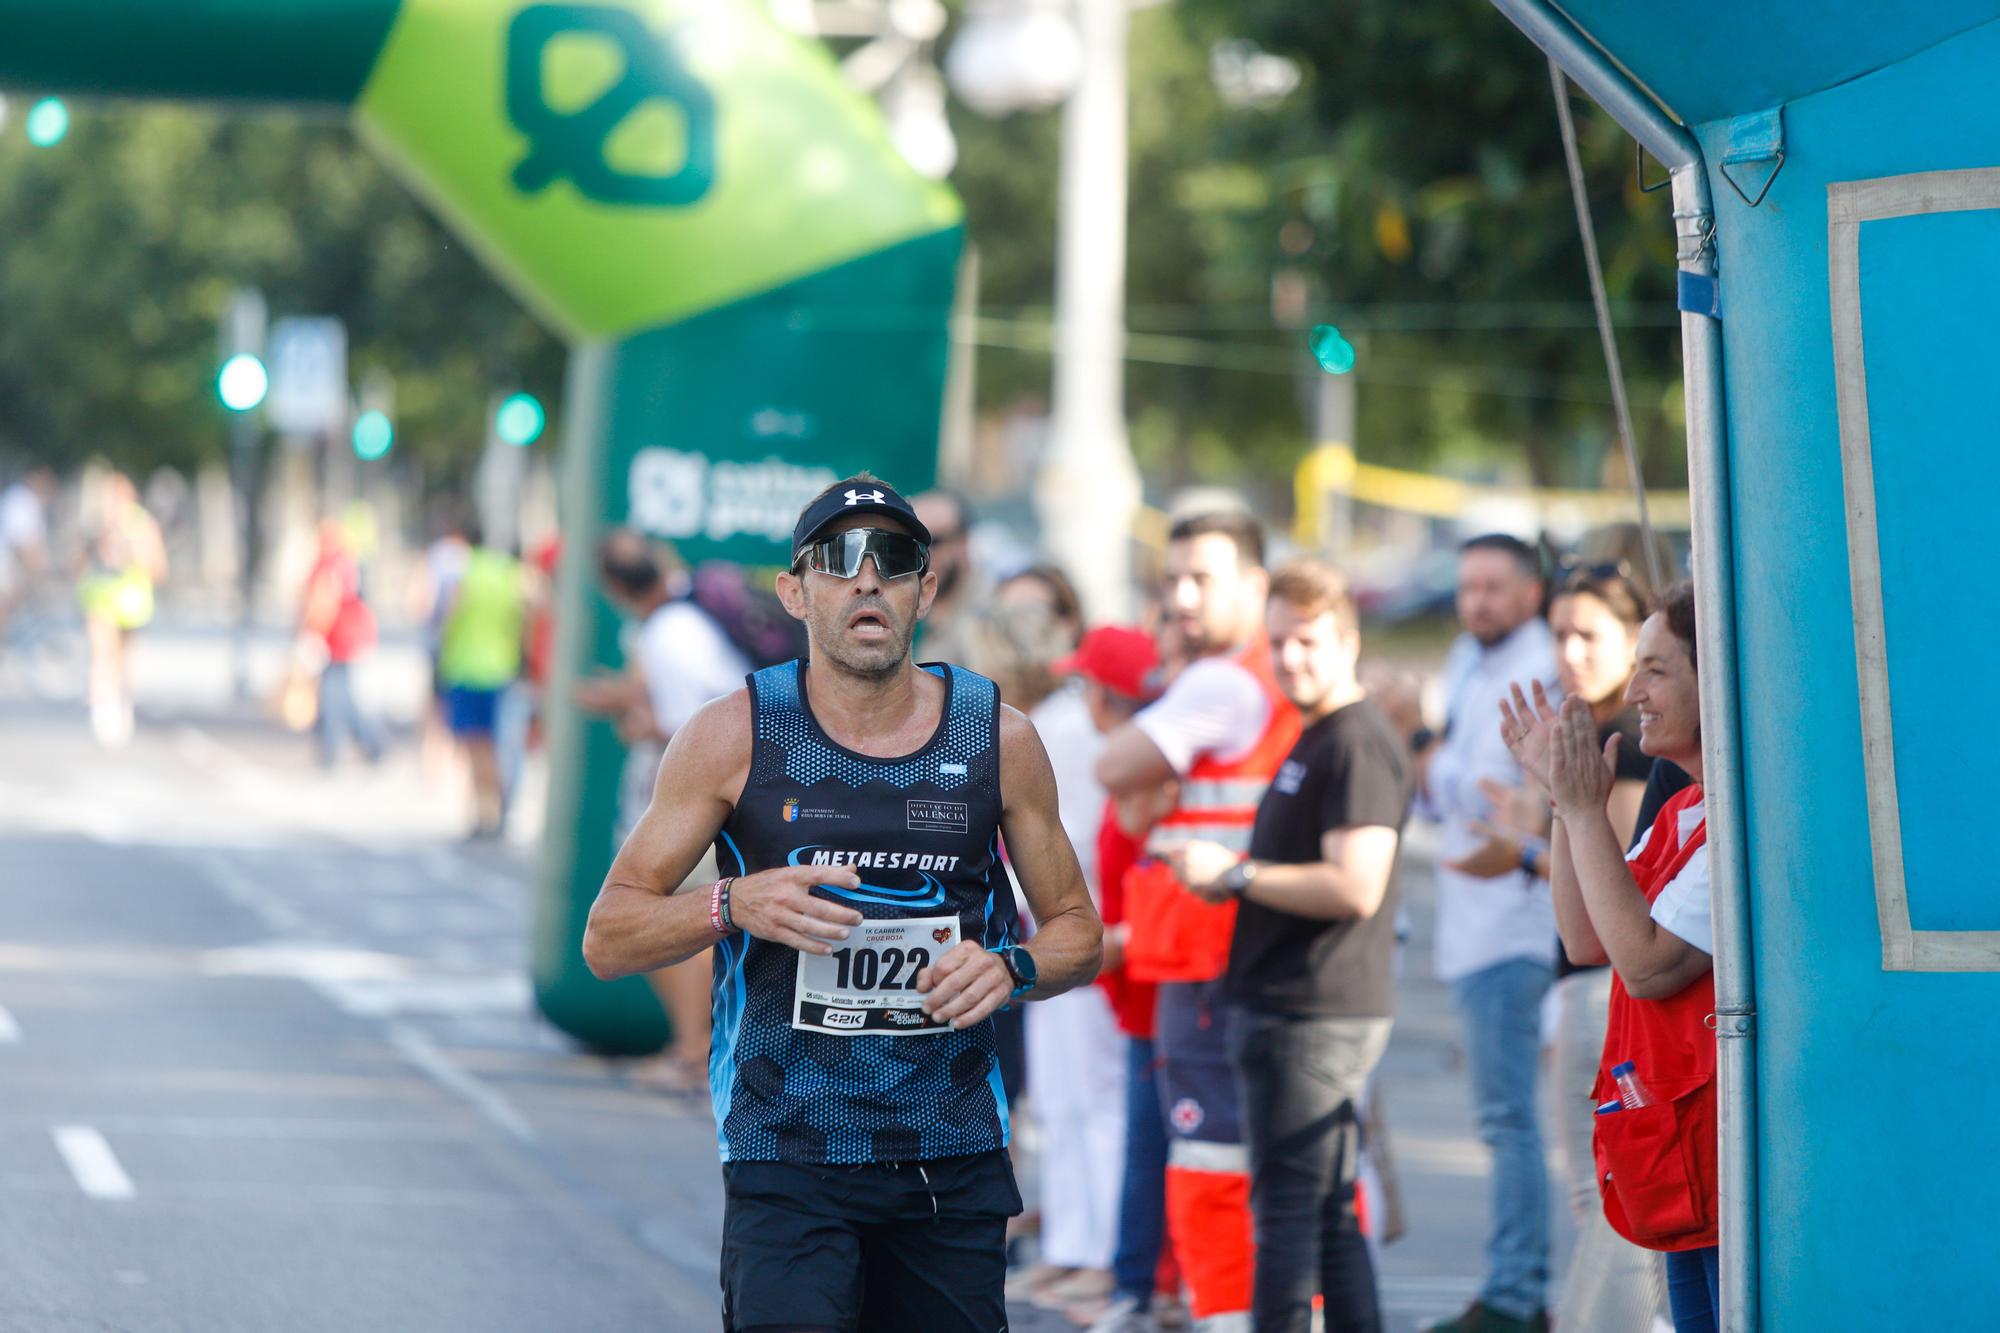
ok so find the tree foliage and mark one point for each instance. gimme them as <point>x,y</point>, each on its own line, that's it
<point>119,249</point>
<point>1413,187</point>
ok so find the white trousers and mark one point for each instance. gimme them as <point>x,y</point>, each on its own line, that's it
<point>1613,1285</point>
<point>1076,1090</point>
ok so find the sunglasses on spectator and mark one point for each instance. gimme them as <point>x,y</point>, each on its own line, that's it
<point>1579,577</point>
<point>897,554</point>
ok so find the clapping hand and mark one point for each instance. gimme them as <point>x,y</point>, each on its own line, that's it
<point>1529,730</point>
<point>1580,773</point>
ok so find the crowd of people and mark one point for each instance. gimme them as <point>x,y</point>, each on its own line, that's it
<point>1208,1144</point>
<point>1203,1139</point>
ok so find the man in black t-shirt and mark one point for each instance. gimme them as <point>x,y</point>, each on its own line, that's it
<point>1309,967</point>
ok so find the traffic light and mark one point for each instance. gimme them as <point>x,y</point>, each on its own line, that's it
<point>242,383</point>
<point>519,419</point>
<point>1332,350</point>
<point>47,122</point>
<point>374,434</point>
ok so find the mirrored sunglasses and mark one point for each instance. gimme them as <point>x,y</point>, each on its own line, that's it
<point>897,554</point>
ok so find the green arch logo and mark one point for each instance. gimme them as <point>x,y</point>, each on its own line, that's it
<point>572,144</point>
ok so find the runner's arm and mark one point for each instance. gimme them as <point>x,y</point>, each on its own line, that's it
<point>639,923</point>
<point>969,983</point>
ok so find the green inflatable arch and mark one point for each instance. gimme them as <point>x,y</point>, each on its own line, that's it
<point>754,285</point>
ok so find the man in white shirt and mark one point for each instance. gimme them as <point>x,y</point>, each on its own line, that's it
<point>1221,731</point>
<point>1495,937</point>
<point>677,659</point>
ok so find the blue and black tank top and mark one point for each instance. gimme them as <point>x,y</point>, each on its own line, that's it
<point>923,833</point>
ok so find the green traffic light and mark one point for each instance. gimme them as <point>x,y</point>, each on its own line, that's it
<point>242,383</point>
<point>47,122</point>
<point>1333,352</point>
<point>374,434</point>
<point>519,419</point>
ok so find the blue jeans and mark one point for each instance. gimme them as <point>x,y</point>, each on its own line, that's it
<point>1694,1289</point>
<point>1499,1009</point>
<point>340,715</point>
<point>1142,1201</point>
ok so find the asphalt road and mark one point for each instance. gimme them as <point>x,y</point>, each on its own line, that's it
<point>269,1061</point>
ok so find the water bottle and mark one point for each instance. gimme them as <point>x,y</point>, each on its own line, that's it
<point>1632,1090</point>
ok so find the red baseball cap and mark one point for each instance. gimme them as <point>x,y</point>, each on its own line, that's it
<point>1122,660</point>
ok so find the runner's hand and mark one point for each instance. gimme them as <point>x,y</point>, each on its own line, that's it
<point>966,985</point>
<point>779,906</point>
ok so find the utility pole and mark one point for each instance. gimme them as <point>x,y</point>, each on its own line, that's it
<point>1333,428</point>
<point>1088,490</point>
<point>242,335</point>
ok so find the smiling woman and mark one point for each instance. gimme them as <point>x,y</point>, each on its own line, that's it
<point>1647,913</point>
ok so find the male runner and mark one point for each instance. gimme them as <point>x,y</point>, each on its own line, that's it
<point>864,935</point>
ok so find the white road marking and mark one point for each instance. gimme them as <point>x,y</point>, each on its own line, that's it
<point>10,1031</point>
<point>92,1162</point>
<point>422,1052</point>
<point>451,996</point>
<point>241,888</point>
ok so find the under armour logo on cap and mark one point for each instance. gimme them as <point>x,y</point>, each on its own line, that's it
<point>857,494</point>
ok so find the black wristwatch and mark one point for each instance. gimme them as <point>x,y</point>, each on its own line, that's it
<point>1020,966</point>
<point>1239,877</point>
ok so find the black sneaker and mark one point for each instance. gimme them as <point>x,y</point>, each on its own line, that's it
<point>1476,1318</point>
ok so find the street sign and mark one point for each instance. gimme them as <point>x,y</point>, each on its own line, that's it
<point>308,361</point>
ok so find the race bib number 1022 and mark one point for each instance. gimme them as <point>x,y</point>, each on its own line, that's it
<point>869,984</point>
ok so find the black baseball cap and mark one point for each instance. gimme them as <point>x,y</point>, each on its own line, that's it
<point>856,495</point>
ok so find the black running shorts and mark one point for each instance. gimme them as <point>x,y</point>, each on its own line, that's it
<point>890,1247</point>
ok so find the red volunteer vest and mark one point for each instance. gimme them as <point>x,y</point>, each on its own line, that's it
<point>1656,1165</point>
<point>1175,935</point>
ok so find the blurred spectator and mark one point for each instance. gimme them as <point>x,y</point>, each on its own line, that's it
<point>676,659</point>
<point>479,657</point>
<point>24,540</point>
<point>1612,1285</point>
<point>1221,730</point>
<point>123,559</point>
<point>1495,946</point>
<point>942,635</point>
<point>341,628</point>
<point>430,599</point>
<point>1311,964</point>
<point>1048,587</point>
<point>1596,615</point>
<point>1075,1055</point>
<point>541,648</point>
<point>1117,667</point>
